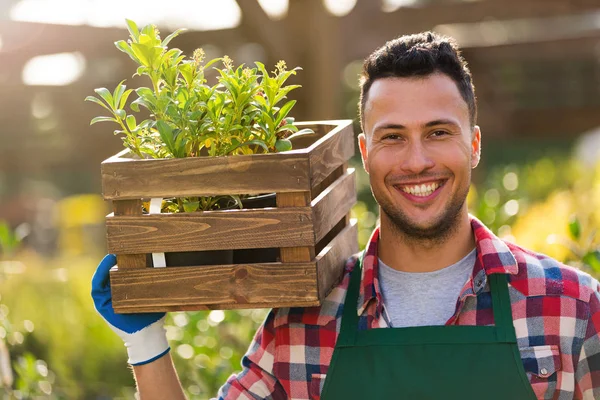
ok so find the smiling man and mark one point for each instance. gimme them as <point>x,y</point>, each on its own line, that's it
<point>436,307</point>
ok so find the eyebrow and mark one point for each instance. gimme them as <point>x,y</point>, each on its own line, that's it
<point>429,124</point>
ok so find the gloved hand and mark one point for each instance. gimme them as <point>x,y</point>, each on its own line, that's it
<point>144,333</point>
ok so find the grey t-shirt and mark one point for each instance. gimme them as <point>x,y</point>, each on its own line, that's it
<point>423,298</point>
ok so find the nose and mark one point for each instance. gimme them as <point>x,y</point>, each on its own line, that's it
<point>416,159</point>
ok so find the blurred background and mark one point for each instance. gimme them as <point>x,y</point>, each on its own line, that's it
<point>536,68</point>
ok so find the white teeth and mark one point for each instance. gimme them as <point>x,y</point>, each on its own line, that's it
<point>422,190</point>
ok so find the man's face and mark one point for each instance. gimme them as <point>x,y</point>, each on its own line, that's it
<point>418,149</point>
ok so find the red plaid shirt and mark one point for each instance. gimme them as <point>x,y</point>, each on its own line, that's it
<point>556,312</point>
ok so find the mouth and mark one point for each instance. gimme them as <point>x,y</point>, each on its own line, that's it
<point>422,190</point>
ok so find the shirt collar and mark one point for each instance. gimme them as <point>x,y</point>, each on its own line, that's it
<point>493,257</point>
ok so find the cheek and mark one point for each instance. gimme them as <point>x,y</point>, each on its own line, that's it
<point>455,157</point>
<point>381,161</point>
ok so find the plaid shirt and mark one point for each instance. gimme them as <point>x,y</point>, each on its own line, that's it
<point>556,313</point>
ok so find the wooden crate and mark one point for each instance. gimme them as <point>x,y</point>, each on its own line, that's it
<point>310,225</point>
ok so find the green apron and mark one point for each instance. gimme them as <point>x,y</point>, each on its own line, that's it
<point>430,362</point>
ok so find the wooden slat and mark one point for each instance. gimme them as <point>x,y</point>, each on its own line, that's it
<point>336,148</point>
<point>205,307</point>
<point>133,208</point>
<point>205,176</point>
<point>330,262</point>
<point>334,203</point>
<point>211,230</point>
<point>219,286</point>
<point>339,171</point>
<point>296,253</point>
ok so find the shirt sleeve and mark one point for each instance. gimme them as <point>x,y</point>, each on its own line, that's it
<point>256,380</point>
<point>587,374</point>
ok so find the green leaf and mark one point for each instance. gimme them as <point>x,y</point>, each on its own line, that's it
<point>142,53</point>
<point>140,70</point>
<point>120,113</point>
<point>284,77</point>
<point>301,132</point>
<point>283,111</point>
<point>171,36</point>
<point>8,240</point>
<point>97,101</point>
<point>105,94</point>
<point>131,122</point>
<point>148,30</point>
<point>283,92</point>
<point>102,119</point>
<point>191,206</point>
<point>283,145</point>
<point>124,98</point>
<point>574,227</point>
<point>592,259</point>
<point>118,92</point>
<point>124,47</point>
<point>249,143</point>
<point>166,134</point>
<point>135,105</point>
<point>133,29</point>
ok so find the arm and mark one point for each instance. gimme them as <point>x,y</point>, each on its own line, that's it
<point>257,379</point>
<point>144,336</point>
<point>158,380</point>
<point>145,339</point>
<point>587,373</point>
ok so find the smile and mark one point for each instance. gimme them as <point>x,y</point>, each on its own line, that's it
<point>422,190</point>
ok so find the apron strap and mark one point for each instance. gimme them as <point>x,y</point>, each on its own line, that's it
<point>347,336</point>
<point>502,308</point>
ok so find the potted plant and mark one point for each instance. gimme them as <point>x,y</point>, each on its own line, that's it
<point>190,167</point>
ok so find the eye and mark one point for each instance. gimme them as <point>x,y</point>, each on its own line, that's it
<point>391,136</point>
<point>439,133</point>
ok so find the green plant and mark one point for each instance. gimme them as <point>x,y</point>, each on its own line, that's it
<point>239,114</point>
<point>22,374</point>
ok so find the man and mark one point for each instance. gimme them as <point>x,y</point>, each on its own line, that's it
<point>461,313</point>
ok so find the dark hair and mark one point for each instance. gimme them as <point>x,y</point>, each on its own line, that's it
<point>419,55</point>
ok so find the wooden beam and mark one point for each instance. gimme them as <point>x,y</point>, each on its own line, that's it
<point>375,31</point>
<point>258,27</point>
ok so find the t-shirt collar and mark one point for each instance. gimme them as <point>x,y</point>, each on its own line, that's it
<point>493,257</point>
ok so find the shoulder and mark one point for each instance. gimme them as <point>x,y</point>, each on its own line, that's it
<point>541,275</point>
<point>330,309</point>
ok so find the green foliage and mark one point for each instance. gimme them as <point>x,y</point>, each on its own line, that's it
<point>8,239</point>
<point>207,346</point>
<point>548,205</point>
<point>53,319</point>
<point>509,190</point>
<point>240,114</point>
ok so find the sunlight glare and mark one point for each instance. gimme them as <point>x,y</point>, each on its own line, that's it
<point>393,5</point>
<point>275,9</point>
<point>53,69</point>
<point>201,15</point>
<point>339,8</point>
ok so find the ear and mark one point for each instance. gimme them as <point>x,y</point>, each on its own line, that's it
<point>475,147</point>
<point>362,145</point>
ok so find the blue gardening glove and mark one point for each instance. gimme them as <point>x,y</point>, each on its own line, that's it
<point>144,333</point>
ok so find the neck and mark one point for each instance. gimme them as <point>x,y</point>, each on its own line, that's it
<point>422,255</point>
